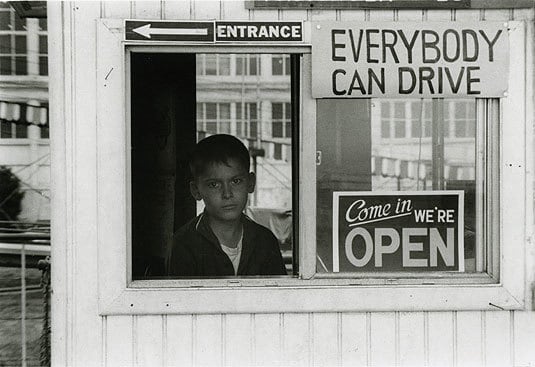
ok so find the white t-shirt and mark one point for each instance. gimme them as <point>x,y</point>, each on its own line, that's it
<point>234,254</point>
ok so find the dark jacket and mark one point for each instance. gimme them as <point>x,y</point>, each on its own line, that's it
<point>195,252</point>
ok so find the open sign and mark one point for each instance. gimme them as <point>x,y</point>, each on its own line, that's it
<point>398,231</point>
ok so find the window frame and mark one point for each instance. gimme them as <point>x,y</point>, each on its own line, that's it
<point>308,293</point>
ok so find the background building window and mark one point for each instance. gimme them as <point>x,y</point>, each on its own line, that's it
<point>13,40</point>
<point>280,65</point>
<point>281,120</point>
<point>213,118</point>
<point>247,64</point>
<point>247,120</point>
<point>213,64</point>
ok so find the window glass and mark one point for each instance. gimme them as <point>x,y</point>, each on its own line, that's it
<point>247,64</point>
<point>431,175</point>
<point>21,131</point>
<point>14,57</point>
<point>43,65</point>
<point>280,65</point>
<point>6,131</point>
<point>184,108</point>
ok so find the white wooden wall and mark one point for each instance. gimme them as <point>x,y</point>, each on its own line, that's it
<point>82,337</point>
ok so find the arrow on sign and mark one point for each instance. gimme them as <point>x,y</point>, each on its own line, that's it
<point>146,31</point>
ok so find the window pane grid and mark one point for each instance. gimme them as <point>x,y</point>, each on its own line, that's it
<point>14,58</point>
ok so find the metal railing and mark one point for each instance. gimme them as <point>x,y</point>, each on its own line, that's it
<point>25,246</point>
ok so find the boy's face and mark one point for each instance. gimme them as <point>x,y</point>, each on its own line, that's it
<point>224,189</point>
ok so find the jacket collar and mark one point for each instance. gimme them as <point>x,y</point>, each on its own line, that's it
<point>248,243</point>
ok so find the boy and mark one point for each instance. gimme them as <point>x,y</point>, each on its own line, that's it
<point>222,241</point>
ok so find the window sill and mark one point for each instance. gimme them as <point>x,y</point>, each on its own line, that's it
<point>331,298</point>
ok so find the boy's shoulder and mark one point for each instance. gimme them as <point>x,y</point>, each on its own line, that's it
<point>188,229</point>
<point>258,231</point>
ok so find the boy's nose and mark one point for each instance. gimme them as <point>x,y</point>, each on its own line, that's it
<point>227,191</point>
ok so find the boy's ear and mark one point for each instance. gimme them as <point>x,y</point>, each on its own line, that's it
<point>252,183</point>
<point>194,190</point>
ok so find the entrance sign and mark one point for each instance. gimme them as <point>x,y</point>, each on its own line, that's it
<point>424,59</point>
<point>259,31</point>
<point>213,31</point>
<point>398,231</point>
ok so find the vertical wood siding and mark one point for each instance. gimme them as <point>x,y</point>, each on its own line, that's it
<point>394,338</point>
<point>470,338</point>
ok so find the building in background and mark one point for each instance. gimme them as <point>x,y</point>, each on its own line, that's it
<point>248,95</point>
<point>24,135</point>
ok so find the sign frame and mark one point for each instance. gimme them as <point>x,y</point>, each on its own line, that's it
<point>206,31</point>
<point>336,220</point>
<point>410,59</point>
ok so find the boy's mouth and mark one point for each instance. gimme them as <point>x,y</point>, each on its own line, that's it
<point>229,207</point>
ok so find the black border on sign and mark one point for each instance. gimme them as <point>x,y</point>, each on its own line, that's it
<point>129,35</point>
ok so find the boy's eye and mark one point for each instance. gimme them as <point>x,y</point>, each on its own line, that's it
<point>214,185</point>
<point>237,181</point>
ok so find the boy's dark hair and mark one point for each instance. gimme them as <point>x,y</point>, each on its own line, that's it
<point>218,149</point>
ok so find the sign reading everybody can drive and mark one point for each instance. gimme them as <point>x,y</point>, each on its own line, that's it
<point>398,231</point>
<point>431,59</point>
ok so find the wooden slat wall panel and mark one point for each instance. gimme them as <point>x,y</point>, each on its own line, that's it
<point>410,326</point>
<point>207,336</point>
<point>440,338</point>
<point>265,15</point>
<point>323,15</point>
<point>354,343</point>
<point>149,344</point>
<point>297,15</point>
<point>297,339</point>
<point>179,340</point>
<point>208,9</point>
<point>467,15</point>
<point>439,15</point>
<point>147,9</point>
<point>234,10</point>
<point>180,10</point>
<point>119,341</point>
<point>468,338</point>
<point>497,331</point>
<point>326,339</point>
<point>353,16</point>
<point>403,339</point>
<point>303,339</point>
<point>410,15</point>
<point>238,342</point>
<point>524,338</point>
<point>267,345</point>
<point>524,14</point>
<point>381,15</point>
<point>383,339</point>
<point>116,9</point>
<point>87,334</point>
<point>499,14</point>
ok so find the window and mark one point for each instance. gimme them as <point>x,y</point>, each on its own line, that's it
<point>212,64</point>
<point>247,120</point>
<point>23,44</point>
<point>353,158</point>
<point>316,288</point>
<point>13,38</point>
<point>213,118</point>
<point>184,108</point>
<point>10,119</point>
<point>280,65</point>
<point>247,64</point>
<point>281,120</point>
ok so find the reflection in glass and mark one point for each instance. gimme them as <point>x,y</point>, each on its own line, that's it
<point>395,145</point>
<point>236,95</point>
